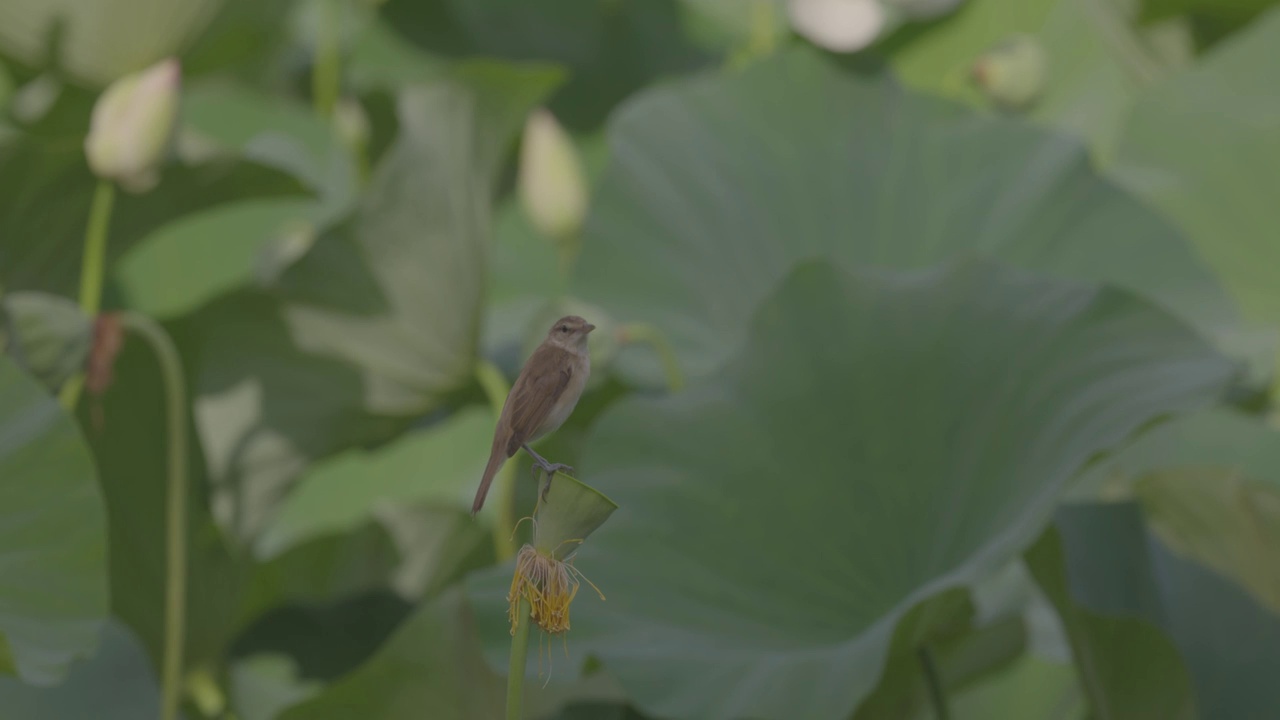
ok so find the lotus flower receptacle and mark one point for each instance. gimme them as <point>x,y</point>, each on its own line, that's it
<point>545,575</point>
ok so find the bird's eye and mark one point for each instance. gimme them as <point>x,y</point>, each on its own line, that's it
<point>564,328</point>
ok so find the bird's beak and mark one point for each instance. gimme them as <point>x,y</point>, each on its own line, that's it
<point>590,327</point>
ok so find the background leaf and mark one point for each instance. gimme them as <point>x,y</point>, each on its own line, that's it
<point>53,596</point>
<point>1204,149</point>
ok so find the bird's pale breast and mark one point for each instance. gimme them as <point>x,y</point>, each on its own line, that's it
<point>568,399</point>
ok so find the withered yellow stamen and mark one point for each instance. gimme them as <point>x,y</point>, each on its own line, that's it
<point>550,585</point>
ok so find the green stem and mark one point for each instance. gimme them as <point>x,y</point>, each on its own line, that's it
<point>175,507</point>
<point>933,679</point>
<point>92,270</point>
<point>519,655</point>
<point>496,389</point>
<point>650,335</point>
<point>326,70</point>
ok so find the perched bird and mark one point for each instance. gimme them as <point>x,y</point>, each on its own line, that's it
<point>541,399</point>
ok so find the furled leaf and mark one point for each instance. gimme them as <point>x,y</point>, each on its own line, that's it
<point>1228,641</point>
<point>720,185</point>
<point>1223,519</point>
<point>48,335</point>
<point>53,591</point>
<point>1210,484</point>
<point>880,438</point>
<point>1127,666</point>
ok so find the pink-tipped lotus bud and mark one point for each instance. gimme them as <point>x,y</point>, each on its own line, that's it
<point>132,125</point>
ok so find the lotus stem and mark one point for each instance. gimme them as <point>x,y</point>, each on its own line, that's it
<point>519,656</point>
<point>175,507</point>
<point>92,270</point>
<point>933,680</point>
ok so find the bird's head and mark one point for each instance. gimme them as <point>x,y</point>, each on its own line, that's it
<point>570,332</point>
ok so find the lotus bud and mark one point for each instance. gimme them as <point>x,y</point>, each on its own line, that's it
<point>838,25</point>
<point>552,183</point>
<point>132,125</point>
<point>1012,74</point>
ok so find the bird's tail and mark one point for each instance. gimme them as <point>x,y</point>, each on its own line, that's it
<point>496,460</point>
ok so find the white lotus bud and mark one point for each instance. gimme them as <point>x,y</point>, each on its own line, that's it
<point>552,183</point>
<point>838,25</point>
<point>132,125</point>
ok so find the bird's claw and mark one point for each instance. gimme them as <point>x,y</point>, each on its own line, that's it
<point>549,470</point>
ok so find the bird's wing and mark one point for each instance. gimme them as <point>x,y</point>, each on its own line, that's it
<point>541,383</point>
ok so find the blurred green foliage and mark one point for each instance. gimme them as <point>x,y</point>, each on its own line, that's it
<point>908,396</point>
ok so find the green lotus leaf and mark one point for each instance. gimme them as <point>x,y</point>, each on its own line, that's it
<point>880,438</point>
<point>720,184</point>
<point>117,683</point>
<point>379,321</point>
<point>53,591</point>
<point>1203,148</point>
<point>47,334</point>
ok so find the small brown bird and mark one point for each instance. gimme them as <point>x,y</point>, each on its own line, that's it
<point>541,399</point>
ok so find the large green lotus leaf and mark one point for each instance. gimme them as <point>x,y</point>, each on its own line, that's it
<point>422,228</point>
<point>720,185</point>
<point>195,258</point>
<point>1204,148</point>
<point>611,49</point>
<point>380,320</point>
<point>53,589</point>
<point>441,463</point>
<point>116,683</point>
<point>1230,643</point>
<point>1127,667</point>
<point>100,41</point>
<point>880,438</point>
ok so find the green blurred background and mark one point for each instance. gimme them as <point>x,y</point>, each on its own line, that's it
<point>933,378</point>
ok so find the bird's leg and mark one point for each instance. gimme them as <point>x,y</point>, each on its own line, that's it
<point>547,467</point>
